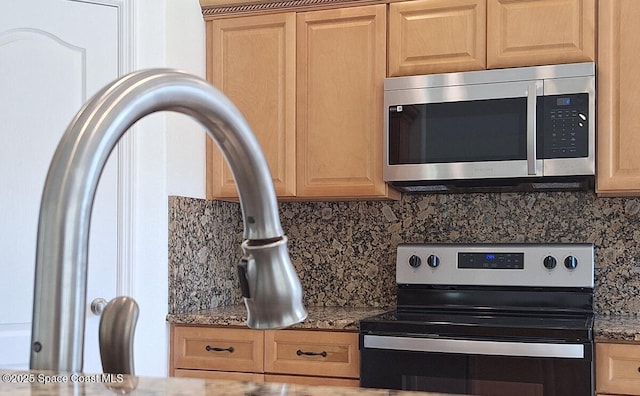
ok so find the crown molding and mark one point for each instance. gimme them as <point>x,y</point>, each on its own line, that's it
<point>212,9</point>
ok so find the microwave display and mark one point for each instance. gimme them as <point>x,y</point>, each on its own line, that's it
<point>487,130</point>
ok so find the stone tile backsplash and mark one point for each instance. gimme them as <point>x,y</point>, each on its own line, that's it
<point>344,252</point>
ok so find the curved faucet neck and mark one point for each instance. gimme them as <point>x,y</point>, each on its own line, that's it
<point>63,230</point>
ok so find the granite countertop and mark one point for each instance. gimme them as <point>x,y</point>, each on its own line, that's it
<point>617,328</point>
<point>323,318</point>
<point>17,383</point>
<point>607,327</point>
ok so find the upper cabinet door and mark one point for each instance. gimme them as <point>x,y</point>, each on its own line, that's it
<point>436,36</point>
<point>539,32</point>
<point>252,61</point>
<point>618,162</point>
<point>341,66</point>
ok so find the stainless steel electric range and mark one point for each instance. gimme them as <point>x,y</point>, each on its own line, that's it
<point>486,319</point>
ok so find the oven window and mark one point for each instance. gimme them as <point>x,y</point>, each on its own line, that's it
<point>476,374</point>
<point>480,130</point>
<point>504,376</point>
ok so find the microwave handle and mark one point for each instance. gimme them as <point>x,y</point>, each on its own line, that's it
<point>532,168</point>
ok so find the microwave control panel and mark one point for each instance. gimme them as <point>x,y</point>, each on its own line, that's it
<point>565,126</point>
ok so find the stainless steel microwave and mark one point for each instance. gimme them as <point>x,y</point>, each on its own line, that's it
<point>528,128</point>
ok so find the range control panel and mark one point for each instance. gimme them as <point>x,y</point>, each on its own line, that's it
<point>536,265</point>
<point>491,260</point>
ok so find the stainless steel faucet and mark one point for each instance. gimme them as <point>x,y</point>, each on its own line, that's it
<point>270,286</point>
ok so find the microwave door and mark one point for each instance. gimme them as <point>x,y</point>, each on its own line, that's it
<point>462,132</point>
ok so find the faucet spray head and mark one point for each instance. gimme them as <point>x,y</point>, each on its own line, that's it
<point>270,287</point>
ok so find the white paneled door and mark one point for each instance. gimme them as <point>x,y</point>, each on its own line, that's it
<point>54,54</point>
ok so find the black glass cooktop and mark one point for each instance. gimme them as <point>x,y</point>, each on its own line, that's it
<point>482,325</point>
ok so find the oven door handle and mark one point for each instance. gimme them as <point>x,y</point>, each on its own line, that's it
<point>475,347</point>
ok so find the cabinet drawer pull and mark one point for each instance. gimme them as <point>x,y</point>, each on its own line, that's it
<point>209,348</point>
<point>300,353</point>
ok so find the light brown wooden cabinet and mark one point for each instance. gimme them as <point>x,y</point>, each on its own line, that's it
<point>224,353</point>
<point>437,36</point>
<point>427,36</point>
<point>308,357</point>
<point>618,162</point>
<point>310,86</point>
<point>540,32</point>
<point>252,60</point>
<point>308,353</point>
<point>341,67</point>
<point>617,369</point>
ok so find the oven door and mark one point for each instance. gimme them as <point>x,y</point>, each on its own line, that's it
<point>476,367</point>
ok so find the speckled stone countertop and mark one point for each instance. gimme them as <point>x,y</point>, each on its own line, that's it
<point>607,327</point>
<point>617,328</point>
<point>83,385</point>
<point>325,318</point>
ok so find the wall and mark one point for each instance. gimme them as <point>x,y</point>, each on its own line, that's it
<point>168,153</point>
<point>344,252</point>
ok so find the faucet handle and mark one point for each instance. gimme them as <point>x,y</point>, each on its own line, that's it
<point>117,326</point>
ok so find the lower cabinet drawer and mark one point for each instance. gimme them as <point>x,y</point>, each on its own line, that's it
<point>214,348</point>
<point>307,357</point>
<point>618,368</point>
<point>300,352</point>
